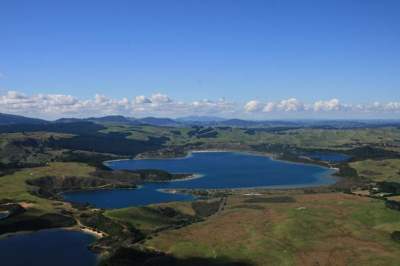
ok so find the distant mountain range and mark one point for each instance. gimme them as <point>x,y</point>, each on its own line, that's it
<point>8,119</point>
<point>118,119</point>
<point>114,119</point>
<point>203,119</point>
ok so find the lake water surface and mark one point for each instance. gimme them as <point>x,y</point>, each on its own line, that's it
<point>47,248</point>
<point>218,170</point>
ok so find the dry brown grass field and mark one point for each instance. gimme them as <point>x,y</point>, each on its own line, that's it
<point>316,229</point>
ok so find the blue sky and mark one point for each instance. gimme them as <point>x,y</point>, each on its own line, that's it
<point>267,51</point>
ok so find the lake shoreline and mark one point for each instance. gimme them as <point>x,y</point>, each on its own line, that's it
<point>271,187</point>
<point>74,228</point>
<point>323,177</point>
<point>248,152</point>
<point>330,174</point>
<point>271,156</point>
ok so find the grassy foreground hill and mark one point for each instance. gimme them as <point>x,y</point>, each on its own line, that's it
<point>379,170</point>
<point>316,229</point>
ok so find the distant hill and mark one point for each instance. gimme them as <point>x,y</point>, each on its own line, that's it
<point>240,123</point>
<point>80,127</point>
<point>155,121</point>
<point>117,119</point>
<point>7,119</point>
<point>257,123</point>
<point>206,121</point>
<point>68,120</point>
<point>202,119</point>
<point>112,119</point>
<point>183,121</point>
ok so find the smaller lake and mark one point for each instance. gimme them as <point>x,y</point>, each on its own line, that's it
<point>218,170</point>
<point>47,248</point>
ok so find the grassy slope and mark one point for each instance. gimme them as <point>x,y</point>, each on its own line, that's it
<point>14,186</point>
<point>322,228</point>
<point>384,170</point>
<point>12,151</point>
<point>388,138</point>
<point>305,138</point>
<point>146,218</point>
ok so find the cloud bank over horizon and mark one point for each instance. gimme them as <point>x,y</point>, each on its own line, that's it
<point>53,106</point>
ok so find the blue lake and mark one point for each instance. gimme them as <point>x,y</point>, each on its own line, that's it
<point>47,248</point>
<point>218,170</point>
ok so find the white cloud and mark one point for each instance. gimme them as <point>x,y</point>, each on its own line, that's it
<point>392,106</point>
<point>330,105</point>
<point>59,105</point>
<point>252,106</point>
<point>290,105</point>
<point>159,98</point>
<point>12,95</point>
<point>210,107</point>
<point>141,99</point>
<point>270,107</point>
<point>100,99</point>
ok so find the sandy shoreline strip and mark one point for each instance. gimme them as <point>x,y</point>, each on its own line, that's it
<point>77,228</point>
